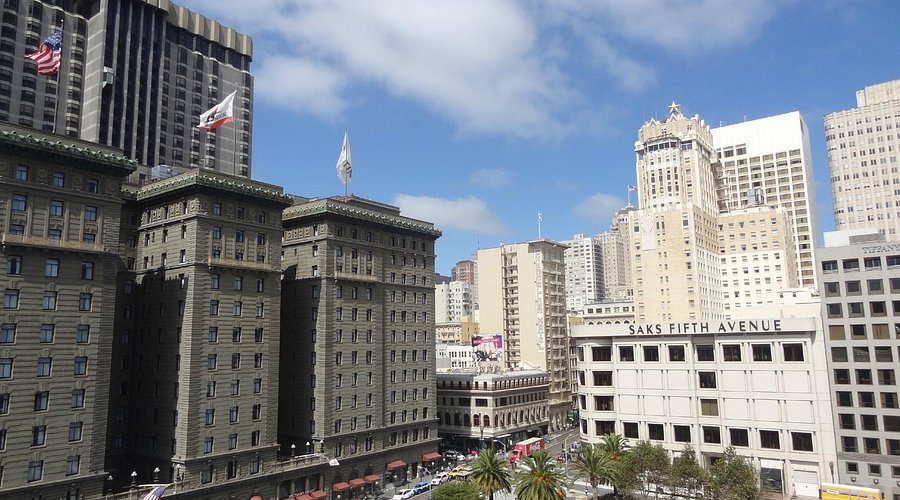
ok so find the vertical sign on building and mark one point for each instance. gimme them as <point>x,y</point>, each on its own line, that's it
<point>539,299</point>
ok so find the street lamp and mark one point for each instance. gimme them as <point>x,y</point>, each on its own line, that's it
<point>293,449</point>
<point>156,474</point>
<point>134,479</point>
<point>308,448</point>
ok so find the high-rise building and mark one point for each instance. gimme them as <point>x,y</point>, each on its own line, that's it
<point>135,75</point>
<point>860,278</point>
<point>615,251</point>
<point>675,253</point>
<point>584,271</point>
<point>767,162</point>
<point>357,349</point>
<point>195,377</point>
<point>522,297</point>
<point>863,146</point>
<point>465,270</point>
<point>61,207</point>
<point>453,301</point>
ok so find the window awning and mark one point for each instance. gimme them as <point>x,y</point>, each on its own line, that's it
<point>372,479</point>
<point>302,497</point>
<point>356,482</point>
<point>317,494</point>
<point>396,464</point>
<point>431,457</point>
<point>339,486</point>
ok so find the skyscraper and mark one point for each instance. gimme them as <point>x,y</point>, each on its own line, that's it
<point>522,296</point>
<point>357,349</point>
<point>675,254</point>
<point>135,75</point>
<point>584,271</point>
<point>863,146</point>
<point>767,162</point>
<point>453,301</point>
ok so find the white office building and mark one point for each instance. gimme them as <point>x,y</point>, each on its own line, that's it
<point>453,301</point>
<point>584,271</point>
<point>759,385</point>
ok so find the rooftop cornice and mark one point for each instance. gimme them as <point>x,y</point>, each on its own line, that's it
<point>216,181</point>
<point>50,146</point>
<point>336,207</point>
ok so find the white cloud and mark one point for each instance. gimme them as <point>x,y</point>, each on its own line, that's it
<point>486,66</point>
<point>469,214</point>
<point>599,208</point>
<point>491,178</point>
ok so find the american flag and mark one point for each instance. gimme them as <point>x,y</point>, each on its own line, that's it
<point>49,54</point>
<point>156,493</point>
<point>632,188</point>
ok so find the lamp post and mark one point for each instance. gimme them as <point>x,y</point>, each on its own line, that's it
<point>156,475</point>
<point>308,448</point>
<point>134,479</point>
<point>107,485</point>
<point>293,449</point>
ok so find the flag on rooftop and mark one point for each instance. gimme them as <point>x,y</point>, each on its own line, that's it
<point>220,114</point>
<point>632,188</point>
<point>48,55</point>
<point>156,493</point>
<point>344,166</point>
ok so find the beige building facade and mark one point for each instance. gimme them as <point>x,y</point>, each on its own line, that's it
<point>521,290</point>
<point>863,146</point>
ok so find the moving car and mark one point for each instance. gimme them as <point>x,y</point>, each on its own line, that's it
<point>454,455</point>
<point>440,478</point>
<point>403,494</point>
<point>421,487</point>
<point>456,470</point>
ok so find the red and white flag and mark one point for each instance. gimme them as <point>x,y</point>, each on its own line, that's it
<point>156,493</point>
<point>48,55</point>
<point>220,114</point>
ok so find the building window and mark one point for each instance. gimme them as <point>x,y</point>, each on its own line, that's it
<point>6,369</point>
<point>651,353</point>
<point>682,433</point>
<point>44,366</point>
<point>90,213</point>
<point>19,202</point>
<point>85,301</point>
<point>217,232</point>
<point>21,172</point>
<point>731,352</point>
<point>769,440</point>
<point>709,407</point>
<point>707,380</point>
<point>793,352</point>
<point>35,470</point>
<point>8,333</point>
<point>712,434</point>
<point>213,307</point>
<point>41,401</point>
<point>73,463</point>
<point>56,208</point>
<point>49,301</point>
<point>87,270</point>
<point>78,398</point>
<point>59,179</point>
<point>706,353</point>
<point>14,265</point>
<point>762,352</point>
<point>11,299</point>
<point>626,353</point>
<point>676,353</point>
<point>81,363</point>
<point>656,432</point>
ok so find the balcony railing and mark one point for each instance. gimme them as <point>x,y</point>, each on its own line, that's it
<point>356,277</point>
<point>43,241</point>
<point>242,264</point>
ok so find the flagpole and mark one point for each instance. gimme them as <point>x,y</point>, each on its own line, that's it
<point>539,225</point>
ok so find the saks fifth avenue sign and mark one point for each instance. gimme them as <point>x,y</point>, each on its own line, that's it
<point>735,326</point>
<point>765,326</point>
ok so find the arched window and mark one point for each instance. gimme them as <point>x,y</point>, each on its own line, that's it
<point>466,421</point>
<point>456,419</point>
<point>487,421</point>
<point>476,420</point>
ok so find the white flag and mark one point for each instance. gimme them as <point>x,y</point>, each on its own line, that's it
<point>220,114</point>
<point>344,167</point>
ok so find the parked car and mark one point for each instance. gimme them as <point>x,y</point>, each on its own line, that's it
<point>403,494</point>
<point>454,455</point>
<point>440,478</point>
<point>421,487</point>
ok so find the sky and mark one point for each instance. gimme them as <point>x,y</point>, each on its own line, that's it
<point>478,114</point>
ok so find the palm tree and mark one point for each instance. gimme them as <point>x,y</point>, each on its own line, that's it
<point>490,473</point>
<point>539,478</point>
<point>614,445</point>
<point>593,463</point>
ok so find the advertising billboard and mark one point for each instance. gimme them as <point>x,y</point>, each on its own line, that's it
<point>488,347</point>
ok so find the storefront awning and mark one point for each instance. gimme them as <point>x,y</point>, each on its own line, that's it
<point>339,486</point>
<point>302,497</point>
<point>396,464</point>
<point>356,482</point>
<point>431,457</point>
<point>317,494</point>
<point>256,497</point>
<point>372,479</point>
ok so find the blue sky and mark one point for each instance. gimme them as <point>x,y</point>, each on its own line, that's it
<point>477,114</point>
